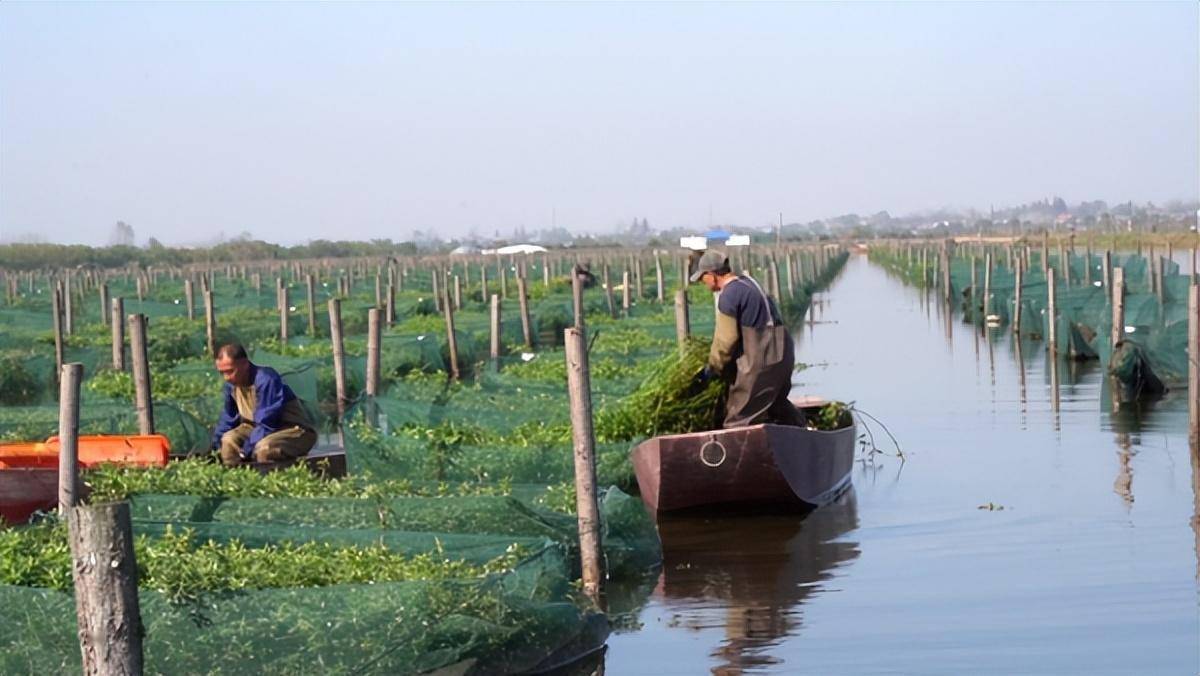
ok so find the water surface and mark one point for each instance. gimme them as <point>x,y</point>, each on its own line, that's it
<point>1024,533</point>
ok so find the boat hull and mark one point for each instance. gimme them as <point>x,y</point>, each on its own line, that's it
<point>766,463</point>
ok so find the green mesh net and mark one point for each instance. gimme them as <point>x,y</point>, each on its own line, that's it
<point>474,470</point>
<point>1156,296</point>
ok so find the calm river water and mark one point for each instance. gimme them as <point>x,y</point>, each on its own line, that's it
<point>1082,559</point>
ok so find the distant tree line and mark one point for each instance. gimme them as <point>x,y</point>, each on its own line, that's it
<point>34,256</point>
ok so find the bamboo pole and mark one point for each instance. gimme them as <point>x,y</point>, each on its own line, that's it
<point>142,399</point>
<point>584,444</point>
<point>117,320</point>
<point>339,355</point>
<point>104,571</point>
<point>70,375</point>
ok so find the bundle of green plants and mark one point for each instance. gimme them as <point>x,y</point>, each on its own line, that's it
<point>180,566</point>
<point>835,415</point>
<point>167,385</point>
<point>670,401</point>
<point>203,478</point>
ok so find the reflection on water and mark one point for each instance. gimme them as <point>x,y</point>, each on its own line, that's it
<point>749,575</point>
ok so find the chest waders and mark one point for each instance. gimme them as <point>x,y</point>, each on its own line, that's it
<point>759,392</point>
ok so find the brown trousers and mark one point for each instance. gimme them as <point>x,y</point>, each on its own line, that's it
<point>760,389</point>
<point>287,443</point>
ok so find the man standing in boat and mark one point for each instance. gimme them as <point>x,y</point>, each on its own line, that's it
<point>751,349</point>
<point>261,418</point>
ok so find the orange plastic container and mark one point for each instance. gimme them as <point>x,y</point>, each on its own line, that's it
<point>149,450</point>
<point>29,471</point>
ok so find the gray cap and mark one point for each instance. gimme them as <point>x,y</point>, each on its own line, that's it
<point>711,261</point>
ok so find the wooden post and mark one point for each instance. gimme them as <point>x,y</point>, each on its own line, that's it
<point>104,303</point>
<point>577,298</point>
<point>142,399</point>
<point>451,338</point>
<point>608,293</point>
<point>483,284</point>
<point>503,277</point>
<point>682,325</point>
<point>637,278</point>
<point>987,284</point>
<point>457,293</point>
<point>495,328</point>
<point>658,278</point>
<point>57,311</point>
<point>339,355</point>
<point>310,292</point>
<point>625,292</point>
<point>378,290</point>
<point>210,324</point>
<point>437,288</point>
<point>373,337</point>
<point>1193,392</point>
<point>947,293</point>
<point>1087,267</point>
<point>106,595</point>
<point>1016,316</point>
<point>545,273</point>
<point>70,375</point>
<point>1156,271</point>
<point>189,298</point>
<point>526,322</point>
<point>974,291</point>
<point>1106,271</point>
<point>579,389</point>
<point>390,305</point>
<point>1051,315</point>
<point>1118,307</point>
<point>117,319</point>
<point>283,312</point>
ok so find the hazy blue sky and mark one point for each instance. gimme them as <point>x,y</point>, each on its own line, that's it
<point>301,121</point>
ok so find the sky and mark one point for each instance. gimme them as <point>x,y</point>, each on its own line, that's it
<point>299,121</point>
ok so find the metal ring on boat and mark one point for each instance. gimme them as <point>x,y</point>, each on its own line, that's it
<point>705,460</point>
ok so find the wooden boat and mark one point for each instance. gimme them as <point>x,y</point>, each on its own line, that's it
<point>29,471</point>
<point>766,463</point>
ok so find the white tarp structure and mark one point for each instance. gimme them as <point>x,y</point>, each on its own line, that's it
<point>516,249</point>
<point>738,240</point>
<point>694,243</point>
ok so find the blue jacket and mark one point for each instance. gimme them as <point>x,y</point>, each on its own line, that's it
<point>271,395</point>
